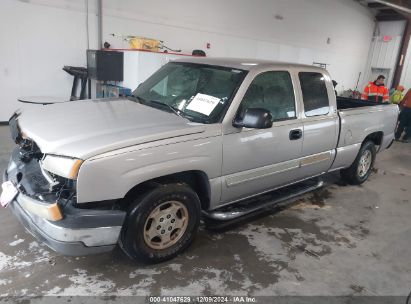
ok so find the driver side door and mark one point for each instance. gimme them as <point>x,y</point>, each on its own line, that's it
<point>256,161</point>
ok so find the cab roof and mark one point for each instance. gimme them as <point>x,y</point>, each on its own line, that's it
<point>245,64</point>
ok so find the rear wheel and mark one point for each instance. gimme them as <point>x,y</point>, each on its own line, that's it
<point>161,223</point>
<point>362,167</point>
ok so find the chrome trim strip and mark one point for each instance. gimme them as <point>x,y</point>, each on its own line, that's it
<point>316,158</point>
<point>266,191</point>
<point>253,174</point>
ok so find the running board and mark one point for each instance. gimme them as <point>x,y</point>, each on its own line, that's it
<point>246,207</point>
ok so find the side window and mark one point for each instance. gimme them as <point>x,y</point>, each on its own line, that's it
<point>272,91</point>
<point>315,94</point>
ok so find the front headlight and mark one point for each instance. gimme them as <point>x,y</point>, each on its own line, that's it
<point>62,166</point>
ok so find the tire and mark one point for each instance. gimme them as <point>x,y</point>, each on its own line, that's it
<point>161,223</point>
<point>362,167</point>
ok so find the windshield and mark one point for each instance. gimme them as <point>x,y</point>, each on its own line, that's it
<point>201,93</point>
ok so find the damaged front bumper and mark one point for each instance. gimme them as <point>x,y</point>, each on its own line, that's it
<point>80,232</point>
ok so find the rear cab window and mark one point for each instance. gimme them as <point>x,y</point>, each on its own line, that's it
<point>315,95</point>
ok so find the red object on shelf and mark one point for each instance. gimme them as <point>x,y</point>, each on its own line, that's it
<point>387,38</point>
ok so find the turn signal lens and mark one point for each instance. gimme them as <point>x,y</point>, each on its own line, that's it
<point>49,212</point>
<point>54,212</point>
<point>74,170</point>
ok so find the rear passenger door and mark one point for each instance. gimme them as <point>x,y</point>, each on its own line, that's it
<point>320,123</point>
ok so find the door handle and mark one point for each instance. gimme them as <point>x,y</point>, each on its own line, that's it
<point>296,134</point>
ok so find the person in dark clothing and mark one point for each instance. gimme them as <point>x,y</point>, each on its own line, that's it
<point>405,119</point>
<point>335,83</point>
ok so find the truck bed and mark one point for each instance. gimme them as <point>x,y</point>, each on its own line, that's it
<point>344,103</point>
<point>359,118</point>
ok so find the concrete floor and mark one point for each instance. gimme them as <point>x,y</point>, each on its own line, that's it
<point>343,240</point>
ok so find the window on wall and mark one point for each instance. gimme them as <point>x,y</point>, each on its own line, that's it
<point>315,94</point>
<point>272,91</point>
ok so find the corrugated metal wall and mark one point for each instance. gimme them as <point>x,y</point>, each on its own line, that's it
<point>383,56</point>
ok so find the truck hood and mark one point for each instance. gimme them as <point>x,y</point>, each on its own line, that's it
<point>86,128</point>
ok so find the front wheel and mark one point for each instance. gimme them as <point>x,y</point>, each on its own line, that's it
<point>362,167</point>
<point>161,223</point>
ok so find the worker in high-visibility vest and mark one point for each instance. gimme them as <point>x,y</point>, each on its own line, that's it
<point>376,91</point>
<point>398,95</point>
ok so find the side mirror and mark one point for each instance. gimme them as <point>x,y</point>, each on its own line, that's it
<point>254,118</point>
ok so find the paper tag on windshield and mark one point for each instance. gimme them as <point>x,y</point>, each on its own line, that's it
<point>204,104</point>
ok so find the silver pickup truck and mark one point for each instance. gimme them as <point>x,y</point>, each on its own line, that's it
<point>198,138</point>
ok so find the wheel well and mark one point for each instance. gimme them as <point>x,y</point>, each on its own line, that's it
<point>197,180</point>
<point>375,137</point>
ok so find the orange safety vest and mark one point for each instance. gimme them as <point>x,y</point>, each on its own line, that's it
<point>375,93</point>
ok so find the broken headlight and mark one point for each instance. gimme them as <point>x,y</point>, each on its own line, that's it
<point>62,166</point>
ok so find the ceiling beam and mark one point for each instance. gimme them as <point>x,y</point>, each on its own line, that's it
<point>390,18</point>
<point>377,5</point>
<point>401,7</point>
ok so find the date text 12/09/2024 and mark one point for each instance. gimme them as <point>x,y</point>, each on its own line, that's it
<point>202,299</point>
